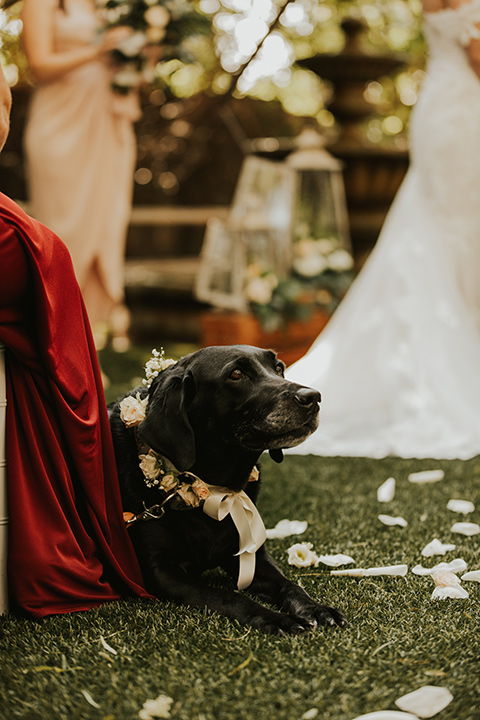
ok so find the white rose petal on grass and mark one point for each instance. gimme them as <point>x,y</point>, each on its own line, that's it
<point>472,576</point>
<point>455,566</point>
<point>284,528</point>
<point>436,547</point>
<point>386,491</point>
<point>394,570</point>
<point>391,521</point>
<point>107,647</point>
<point>444,578</point>
<point>426,476</point>
<point>425,702</point>
<point>387,715</point>
<point>158,708</point>
<point>450,591</point>
<point>349,572</point>
<point>310,714</point>
<point>89,699</point>
<point>461,506</point>
<point>302,555</point>
<point>336,560</point>
<point>465,528</point>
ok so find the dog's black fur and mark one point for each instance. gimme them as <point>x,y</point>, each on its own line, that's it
<point>213,413</point>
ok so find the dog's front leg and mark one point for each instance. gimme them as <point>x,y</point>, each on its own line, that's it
<point>169,582</point>
<point>270,584</point>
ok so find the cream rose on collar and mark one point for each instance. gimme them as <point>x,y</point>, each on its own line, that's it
<point>132,410</point>
<point>150,466</point>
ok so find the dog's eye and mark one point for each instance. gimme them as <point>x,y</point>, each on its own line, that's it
<point>236,374</point>
<point>279,369</point>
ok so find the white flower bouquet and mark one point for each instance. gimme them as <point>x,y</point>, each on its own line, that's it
<point>165,24</point>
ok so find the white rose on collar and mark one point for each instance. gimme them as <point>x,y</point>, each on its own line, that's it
<point>132,410</point>
<point>150,465</point>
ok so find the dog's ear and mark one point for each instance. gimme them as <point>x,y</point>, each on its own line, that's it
<point>166,428</point>
<point>276,455</point>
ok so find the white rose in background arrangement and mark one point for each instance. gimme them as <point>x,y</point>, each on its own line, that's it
<point>326,245</point>
<point>259,290</point>
<point>310,266</point>
<point>307,248</point>
<point>302,555</point>
<point>340,261</point>
<point>132,410</point>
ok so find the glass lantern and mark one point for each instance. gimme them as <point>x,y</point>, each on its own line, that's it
<point>287,231</point>
<point>319,208</point>
<point>254,240</point>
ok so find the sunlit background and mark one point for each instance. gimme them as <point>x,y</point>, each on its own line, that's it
<point>251,55</point>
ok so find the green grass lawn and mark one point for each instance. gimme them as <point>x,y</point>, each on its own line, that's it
<point>215,669</point>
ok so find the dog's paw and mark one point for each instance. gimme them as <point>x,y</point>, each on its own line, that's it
<point>275,623</point>
<point>322,615</point>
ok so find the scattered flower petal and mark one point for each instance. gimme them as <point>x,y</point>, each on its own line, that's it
<point>473,575</point>
<point>425,702</point>
<point>106,646</point>
<point>302,555</point>
<point>350,572</point>
<point>89,699</point>
<point>158,708</point>
<point>389,520</point>
<point>426,476</point>
<point>386,491</point>
<point>310,714</point>
<point>451,591</point>
<point>455,566</point>
<point>465,528</point>
<point>436,548</point>
<point>444,578</point>
<point>284,528</point>
<point>461,506</point>
<point>336,560</point>
<point>396,570</point>
<point>387,715</point>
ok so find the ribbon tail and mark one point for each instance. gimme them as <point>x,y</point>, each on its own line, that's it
<point>246,570</point>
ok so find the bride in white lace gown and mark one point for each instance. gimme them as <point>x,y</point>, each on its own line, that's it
<point>398,365</point>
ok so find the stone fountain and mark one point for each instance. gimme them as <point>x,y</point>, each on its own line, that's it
<point>372,173</point>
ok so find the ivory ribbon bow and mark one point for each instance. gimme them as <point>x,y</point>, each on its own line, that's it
<point>247,520</point>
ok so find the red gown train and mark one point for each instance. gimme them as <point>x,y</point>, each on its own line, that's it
<point>68,549</point>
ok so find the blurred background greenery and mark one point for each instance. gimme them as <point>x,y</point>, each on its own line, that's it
<point>251,59</point>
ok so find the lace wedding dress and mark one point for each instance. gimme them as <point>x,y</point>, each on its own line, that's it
<point>398,365</point>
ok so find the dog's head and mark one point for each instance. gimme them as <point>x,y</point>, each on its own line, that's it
<point>227,400</point>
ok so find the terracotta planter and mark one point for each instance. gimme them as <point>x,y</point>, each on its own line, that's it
<point>291,343</point>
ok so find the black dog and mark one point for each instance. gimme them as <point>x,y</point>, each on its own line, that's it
<point>211,415</point>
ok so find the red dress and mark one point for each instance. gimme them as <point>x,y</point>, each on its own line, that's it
<point>68,549</point>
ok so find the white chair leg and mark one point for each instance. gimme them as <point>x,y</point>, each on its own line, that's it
<point>3,489</point>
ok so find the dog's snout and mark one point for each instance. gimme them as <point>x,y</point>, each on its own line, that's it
<point>307,397</point>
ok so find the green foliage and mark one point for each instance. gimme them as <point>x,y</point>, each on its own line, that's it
<point>214,669</point>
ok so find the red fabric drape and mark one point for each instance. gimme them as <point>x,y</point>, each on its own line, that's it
<point>68,549</point>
